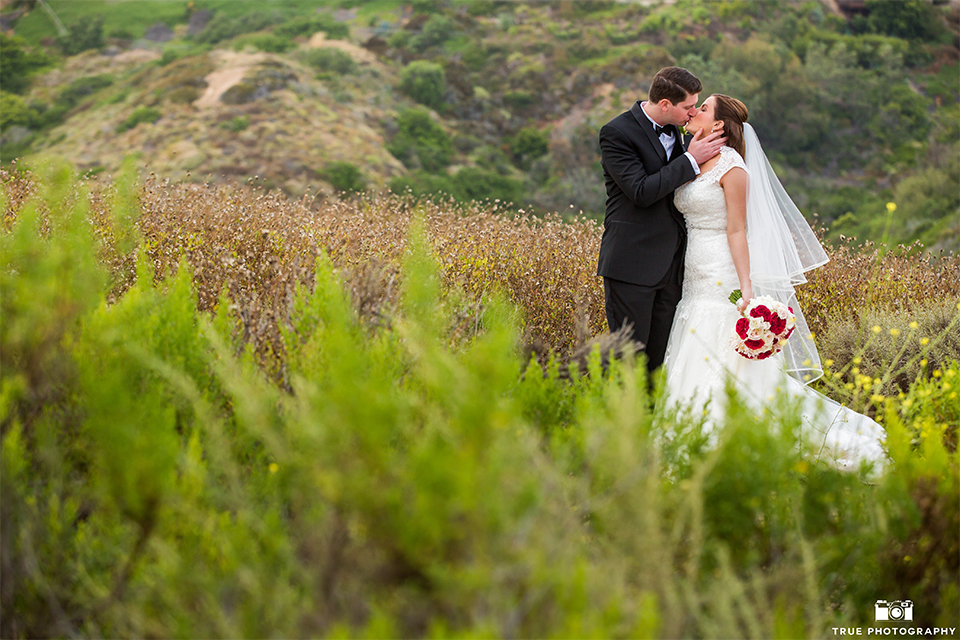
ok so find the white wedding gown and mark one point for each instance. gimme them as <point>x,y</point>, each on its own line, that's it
<point>700,358</point>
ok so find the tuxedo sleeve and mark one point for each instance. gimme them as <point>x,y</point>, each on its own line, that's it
<point>624,164</point>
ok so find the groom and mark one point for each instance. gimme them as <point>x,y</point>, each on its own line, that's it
<point>644,237</point>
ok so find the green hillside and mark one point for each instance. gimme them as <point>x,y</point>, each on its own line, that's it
<point>499,100</point>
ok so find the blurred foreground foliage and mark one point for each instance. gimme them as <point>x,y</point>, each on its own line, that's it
<point>396,464</point>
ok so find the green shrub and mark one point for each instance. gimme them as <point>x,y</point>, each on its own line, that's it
<point>81,88</point>
<point>121,33</point>
<point>435,31</point>
<point>344,176</point>
<point>69,98</point>
<point>18,62</point>
<point>84,34</point>
<point>529,144</point>
<point>330,60</point>
<point>519,99</point>
<point>236,125</point>
<point>421,142</point>
<point>474,183</point>
<point>142,114</point>
<point>423,184</point>
<point>307,27</point>
<point>399,39</point>
<point>268,42</point>
<point>222,27</point>
<point>908,19</point>
<point>491,157</point>
<point>425,82</point>
<point>14,110</point>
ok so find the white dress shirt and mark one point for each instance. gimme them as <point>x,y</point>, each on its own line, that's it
<point>668,141</point>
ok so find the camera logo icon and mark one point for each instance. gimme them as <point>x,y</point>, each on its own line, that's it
<point>895,610</point>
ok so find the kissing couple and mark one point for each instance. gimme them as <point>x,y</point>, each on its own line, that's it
<point>688,224</point>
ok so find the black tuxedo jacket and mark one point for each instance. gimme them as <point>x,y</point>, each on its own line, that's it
<point>642,229</point>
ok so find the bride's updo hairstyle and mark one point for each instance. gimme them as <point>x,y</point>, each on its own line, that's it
<point>733,113</point>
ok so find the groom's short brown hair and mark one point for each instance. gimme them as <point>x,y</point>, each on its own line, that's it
<point>674,84</point>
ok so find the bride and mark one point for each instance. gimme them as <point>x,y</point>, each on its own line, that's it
<point>745,233</point>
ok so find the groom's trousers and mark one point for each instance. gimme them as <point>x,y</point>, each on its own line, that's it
<point>649,309</point>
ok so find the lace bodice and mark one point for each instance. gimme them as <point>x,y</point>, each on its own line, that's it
<point>701,201</point>
<point>709,270</point>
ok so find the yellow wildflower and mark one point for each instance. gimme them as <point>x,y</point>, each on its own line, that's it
<point>913,324</point>
<point>876,328</point>
<point>891,206</point>
<point>274,467</point>
<point>894,332</point>
<point>924,341</point>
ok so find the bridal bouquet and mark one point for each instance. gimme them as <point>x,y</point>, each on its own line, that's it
<point>764,328</point>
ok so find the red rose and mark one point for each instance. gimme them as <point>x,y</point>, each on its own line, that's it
<point>753,344</point>
<point>743,325</point>
<point>777,324</point>
<point>760,311</point>
<point>764,355</point>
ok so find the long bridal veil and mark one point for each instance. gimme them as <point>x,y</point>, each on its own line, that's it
<point>782,249</point>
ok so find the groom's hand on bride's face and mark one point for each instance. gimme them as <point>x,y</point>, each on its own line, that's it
<point>702,149</point>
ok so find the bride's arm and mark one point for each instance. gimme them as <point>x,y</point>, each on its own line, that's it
<point>734,183</point>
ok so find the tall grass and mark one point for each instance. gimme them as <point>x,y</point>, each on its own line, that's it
<point>403,469</point>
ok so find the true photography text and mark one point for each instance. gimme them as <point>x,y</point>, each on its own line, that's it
<point>923,632</point>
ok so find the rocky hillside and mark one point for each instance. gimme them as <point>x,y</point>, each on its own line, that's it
<point>226,114</point>
<point>504,99</point>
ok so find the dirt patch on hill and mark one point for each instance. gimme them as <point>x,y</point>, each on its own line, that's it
<point>232,67</point>
<point>359,54</point>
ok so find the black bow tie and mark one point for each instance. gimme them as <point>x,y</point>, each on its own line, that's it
<point>663,130</point>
